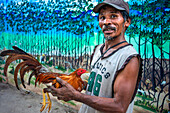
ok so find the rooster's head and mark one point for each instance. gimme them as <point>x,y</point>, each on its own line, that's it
<point>80,71</point>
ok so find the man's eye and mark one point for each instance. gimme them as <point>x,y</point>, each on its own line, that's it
<point>102,18</point>
<point>113,16</point>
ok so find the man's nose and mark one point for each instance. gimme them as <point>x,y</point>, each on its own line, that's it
<point>107,21</point>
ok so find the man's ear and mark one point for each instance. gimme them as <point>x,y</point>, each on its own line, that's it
<point>128,22</point>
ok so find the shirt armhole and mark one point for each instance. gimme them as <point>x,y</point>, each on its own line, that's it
<point>91,58</point>
<point>139,74</point>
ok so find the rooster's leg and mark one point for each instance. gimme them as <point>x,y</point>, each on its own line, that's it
<point>49,102</point>
<point>43,103</point>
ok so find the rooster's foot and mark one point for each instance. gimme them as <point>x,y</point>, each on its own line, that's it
<point>44,102</point>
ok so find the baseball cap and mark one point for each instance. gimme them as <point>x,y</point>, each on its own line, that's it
<point>118,4</point>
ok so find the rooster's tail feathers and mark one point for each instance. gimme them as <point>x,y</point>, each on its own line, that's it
<point>28,63</point>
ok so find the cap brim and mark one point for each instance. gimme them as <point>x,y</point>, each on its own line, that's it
<point>97,7</point>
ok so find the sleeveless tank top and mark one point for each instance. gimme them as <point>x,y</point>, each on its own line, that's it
<point>100,82</point>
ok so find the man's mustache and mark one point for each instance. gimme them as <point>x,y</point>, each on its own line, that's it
<point>106,27</point>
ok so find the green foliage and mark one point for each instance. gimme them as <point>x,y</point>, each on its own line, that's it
<point>71,70</point>
<point>49,64</point>
<point>2,62</point>
<point>165,111</point>
<point>1,68</point>
<point>146,102</point>
<point>71,102</point>
<point>144,97</point>
<point>1,78</point>
<point>38,58</point>
<point>33,80</point>
<point>37,16</point>
<point>146,105</point>
<point>150,20</point>
<point>61,68</point>
<point>12,70</point>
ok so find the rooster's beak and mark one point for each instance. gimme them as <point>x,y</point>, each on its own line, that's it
<point>87,72</point>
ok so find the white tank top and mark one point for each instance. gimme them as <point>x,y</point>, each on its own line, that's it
<point>102,75</point>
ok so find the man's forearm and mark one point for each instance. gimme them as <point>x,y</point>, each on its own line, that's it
<point>108,105</point>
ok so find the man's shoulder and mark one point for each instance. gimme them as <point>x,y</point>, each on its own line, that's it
<point>129,50</point>
<point>98,46</point>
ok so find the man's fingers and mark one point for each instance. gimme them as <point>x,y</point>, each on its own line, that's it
<point>53,88</point>
<point>62,82</point>
<point>47,90</point>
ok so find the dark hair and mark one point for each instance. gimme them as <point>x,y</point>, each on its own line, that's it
<point>125,15</point>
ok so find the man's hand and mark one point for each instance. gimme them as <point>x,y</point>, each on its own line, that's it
<point>66,92</point>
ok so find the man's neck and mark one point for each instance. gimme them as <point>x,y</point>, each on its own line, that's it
<point>110,43</point>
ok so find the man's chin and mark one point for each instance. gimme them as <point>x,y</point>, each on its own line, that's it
<point>108,38</point>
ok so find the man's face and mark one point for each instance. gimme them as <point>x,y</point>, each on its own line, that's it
<point>111,22</point>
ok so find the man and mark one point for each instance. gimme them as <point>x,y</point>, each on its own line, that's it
<point>115,66</point>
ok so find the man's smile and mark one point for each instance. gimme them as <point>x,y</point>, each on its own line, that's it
<point>108,29</point>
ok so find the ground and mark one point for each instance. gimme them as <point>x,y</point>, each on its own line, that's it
<point>25,101</point>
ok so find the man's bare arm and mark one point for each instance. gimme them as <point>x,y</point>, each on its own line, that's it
<point>124,87</point>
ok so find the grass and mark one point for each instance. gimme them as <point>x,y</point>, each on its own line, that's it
<point>71,102</point>
<point>145,97</point>
<point>145,103</point>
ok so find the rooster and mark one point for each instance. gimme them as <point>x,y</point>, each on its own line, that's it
<point>42,75</point>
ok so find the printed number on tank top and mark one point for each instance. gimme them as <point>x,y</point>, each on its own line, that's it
<point>96,83</point>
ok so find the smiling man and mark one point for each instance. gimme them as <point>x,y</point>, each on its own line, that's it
<point>114,77</point>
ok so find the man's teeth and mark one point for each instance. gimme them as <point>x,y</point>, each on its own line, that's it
<point>108,29</point>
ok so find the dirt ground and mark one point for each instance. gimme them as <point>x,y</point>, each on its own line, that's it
<point>25,101</point>
<point>22,101</point>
